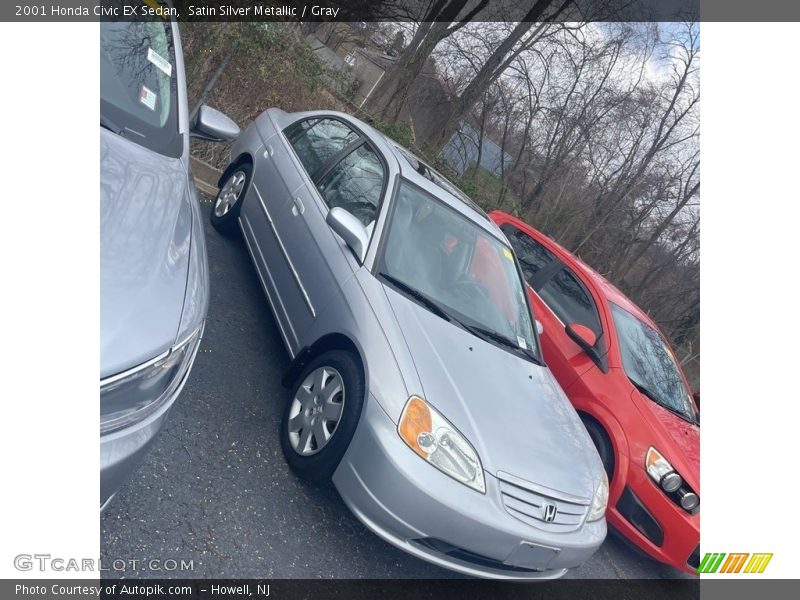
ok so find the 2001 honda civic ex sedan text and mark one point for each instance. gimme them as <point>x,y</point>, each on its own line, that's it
<point>417,381</point>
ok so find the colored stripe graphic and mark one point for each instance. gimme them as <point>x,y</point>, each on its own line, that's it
<point>758,563</point>
<point>714,562</point>
<point>733,561</point>
<point>740,564</point>
<point>701,568</point>
<point>717,563</point>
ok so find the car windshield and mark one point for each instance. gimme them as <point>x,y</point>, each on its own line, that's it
<point>650,364</point>
<point>138,98</point>
<point>459,270</point>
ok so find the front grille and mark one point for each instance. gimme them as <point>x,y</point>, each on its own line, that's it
<point>529,507</point>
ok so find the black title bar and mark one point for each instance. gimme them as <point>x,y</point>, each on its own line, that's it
<point>400,10</point>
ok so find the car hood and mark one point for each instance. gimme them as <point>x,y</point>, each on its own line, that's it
<point>677,439</point>
<point>511,410</point>
<point>145,235</point>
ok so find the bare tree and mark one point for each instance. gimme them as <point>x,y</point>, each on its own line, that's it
<point>441,21</point>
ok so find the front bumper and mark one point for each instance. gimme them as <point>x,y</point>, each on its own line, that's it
<point>122,450</point>
<point>419,509</point>
<point>652,522</point>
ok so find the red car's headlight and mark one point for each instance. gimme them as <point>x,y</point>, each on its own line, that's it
<point>667,478</point>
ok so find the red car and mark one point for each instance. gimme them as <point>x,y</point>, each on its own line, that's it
<point>622,377</point>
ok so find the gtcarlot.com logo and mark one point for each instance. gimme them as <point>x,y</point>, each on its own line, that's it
<point>47,562</point>
<point>739,562</point>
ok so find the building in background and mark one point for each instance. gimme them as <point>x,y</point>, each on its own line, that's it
<point>467,147</point>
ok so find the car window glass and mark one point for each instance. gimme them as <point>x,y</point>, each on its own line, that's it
<point>649,362</point>
<point>436,250</point>
<point>531,254</point>
<point>568,299</point>
<point>355,184</point>
<point>138,84</point>
<point>316,141</point>
<point>434,176</point>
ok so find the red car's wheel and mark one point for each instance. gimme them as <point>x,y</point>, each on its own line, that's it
<point>601,442</point>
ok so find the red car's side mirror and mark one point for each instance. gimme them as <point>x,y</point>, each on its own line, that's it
<point>582,333</point>
<point>587,341</point>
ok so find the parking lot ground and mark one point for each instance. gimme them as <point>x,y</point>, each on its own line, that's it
<point>215,489</point>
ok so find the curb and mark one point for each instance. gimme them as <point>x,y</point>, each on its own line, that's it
<point>205,176</point>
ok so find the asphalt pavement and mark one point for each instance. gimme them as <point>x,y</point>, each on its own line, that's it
<point>215,489</point>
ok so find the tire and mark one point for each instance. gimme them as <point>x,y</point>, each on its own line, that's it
<point>313,444</point>
<point>602,443</point>
<point>228,203</point>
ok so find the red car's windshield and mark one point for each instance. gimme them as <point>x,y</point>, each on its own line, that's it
<point>650,364</point>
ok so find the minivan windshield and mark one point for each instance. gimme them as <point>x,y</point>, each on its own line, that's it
<point>138,90</point>
<point>650,365</point>
<point>457,269</point>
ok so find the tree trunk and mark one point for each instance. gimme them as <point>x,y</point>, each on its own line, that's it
<point>494,66</point>
<point>653,238</point>
<point>481,133</point>
<point>212,81</point>
<point>392,92</point>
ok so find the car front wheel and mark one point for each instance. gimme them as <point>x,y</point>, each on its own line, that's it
<point>602,443</point>
<point>228,202</point>
<point>322,414</point>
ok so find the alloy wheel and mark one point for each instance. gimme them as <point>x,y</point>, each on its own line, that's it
<point>229,194</point>
<point>316,410</point>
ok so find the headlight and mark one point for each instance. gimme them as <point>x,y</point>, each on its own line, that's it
<point>435,439</point>
<point>668,479</point>
<point>661,471</point>
<point>133,395</point>
<point>689,501</point>
<point>598,508</point>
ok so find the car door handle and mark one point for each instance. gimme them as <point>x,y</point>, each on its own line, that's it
<point>298,208</point>
<point>268,151</point>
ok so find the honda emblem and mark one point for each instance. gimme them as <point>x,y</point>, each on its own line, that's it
<point>549,512</point>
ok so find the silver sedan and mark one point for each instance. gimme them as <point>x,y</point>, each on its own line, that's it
<point>417,381</point>
<point>153,265</point>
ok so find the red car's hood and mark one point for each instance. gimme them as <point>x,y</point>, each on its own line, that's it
<point>679,440</point>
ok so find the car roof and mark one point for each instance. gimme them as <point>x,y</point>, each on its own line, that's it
<point>611,292</point>
<point>426,177</point>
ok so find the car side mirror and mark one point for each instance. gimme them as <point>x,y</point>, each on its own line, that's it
<point>350,229</point>
<point>581,335</point>
<point>584,337</point>
<point>696,397</point>
<point>214,126</point>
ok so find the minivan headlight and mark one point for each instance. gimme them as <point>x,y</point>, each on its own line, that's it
<point>598,508</point>
<point>435,439</point>
<point>131,396</point>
